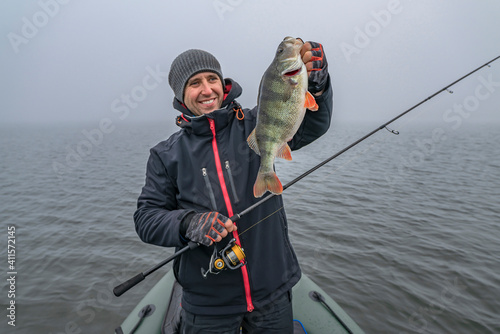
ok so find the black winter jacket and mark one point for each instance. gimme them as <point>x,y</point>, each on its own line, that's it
<point>200,169</point>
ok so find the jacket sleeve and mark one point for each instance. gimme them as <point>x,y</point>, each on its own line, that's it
<point>157,219</point>
<point>315,123</point>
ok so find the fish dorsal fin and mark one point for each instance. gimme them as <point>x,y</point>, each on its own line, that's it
<point>252,142</point>
<point>285,152</point>
<point>310,102</point>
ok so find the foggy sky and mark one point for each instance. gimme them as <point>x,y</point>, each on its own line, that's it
<point>85,61</point>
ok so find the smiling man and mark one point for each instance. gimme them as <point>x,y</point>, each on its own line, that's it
<point>204,174</point>
<point>203,93</point>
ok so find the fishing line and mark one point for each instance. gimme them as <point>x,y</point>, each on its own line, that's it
<point>383,126</point>
<point>122,288</point>
<point>396,132</point>
<point>260,221</point>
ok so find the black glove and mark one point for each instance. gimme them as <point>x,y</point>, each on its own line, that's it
<point>203,228</point>
<point>319,73</point>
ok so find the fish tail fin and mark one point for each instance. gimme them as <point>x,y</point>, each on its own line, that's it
<point>267,181</point>
<point>310,102</point>
<point>252,142</point>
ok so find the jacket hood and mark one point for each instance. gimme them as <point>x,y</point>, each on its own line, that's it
<point>232,90</point>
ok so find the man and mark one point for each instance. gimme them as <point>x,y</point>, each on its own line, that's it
<point>204,174</point>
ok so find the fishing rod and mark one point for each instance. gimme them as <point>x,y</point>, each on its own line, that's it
<point>125,286</point>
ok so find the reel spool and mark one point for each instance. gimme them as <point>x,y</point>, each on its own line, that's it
<point>232,256</point>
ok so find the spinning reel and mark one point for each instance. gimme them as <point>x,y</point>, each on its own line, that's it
<point>231,256</point>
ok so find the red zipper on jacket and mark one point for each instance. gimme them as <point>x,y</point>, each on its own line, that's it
<point>220,173</point>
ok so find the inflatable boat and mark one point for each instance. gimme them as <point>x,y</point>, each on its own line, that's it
<point>314,311</point>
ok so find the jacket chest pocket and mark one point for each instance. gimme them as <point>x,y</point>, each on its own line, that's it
<point>230,185</point>
<point>231,181</point>
<point>209,190</point>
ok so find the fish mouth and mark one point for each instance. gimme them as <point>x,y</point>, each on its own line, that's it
<point>292,73</point>
<point>290,61</point>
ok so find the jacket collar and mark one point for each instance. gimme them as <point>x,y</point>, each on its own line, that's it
<point>199,124</point>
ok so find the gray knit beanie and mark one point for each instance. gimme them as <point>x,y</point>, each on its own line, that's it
<point>186,65</point>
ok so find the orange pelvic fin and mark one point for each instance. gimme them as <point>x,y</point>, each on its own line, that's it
<point>285,152</point>
<point>267,181</point>
<point>310,102</point>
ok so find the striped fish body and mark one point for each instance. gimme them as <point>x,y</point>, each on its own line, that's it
<point>282,103</point>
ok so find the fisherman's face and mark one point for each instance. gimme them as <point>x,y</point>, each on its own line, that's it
<point>203,93</point>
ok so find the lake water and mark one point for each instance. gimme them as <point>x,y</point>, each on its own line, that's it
<point>402,231</point>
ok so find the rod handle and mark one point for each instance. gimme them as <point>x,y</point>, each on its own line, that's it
<point>125,286</point>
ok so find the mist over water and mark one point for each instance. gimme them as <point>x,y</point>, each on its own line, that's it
<point>402,231</point>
